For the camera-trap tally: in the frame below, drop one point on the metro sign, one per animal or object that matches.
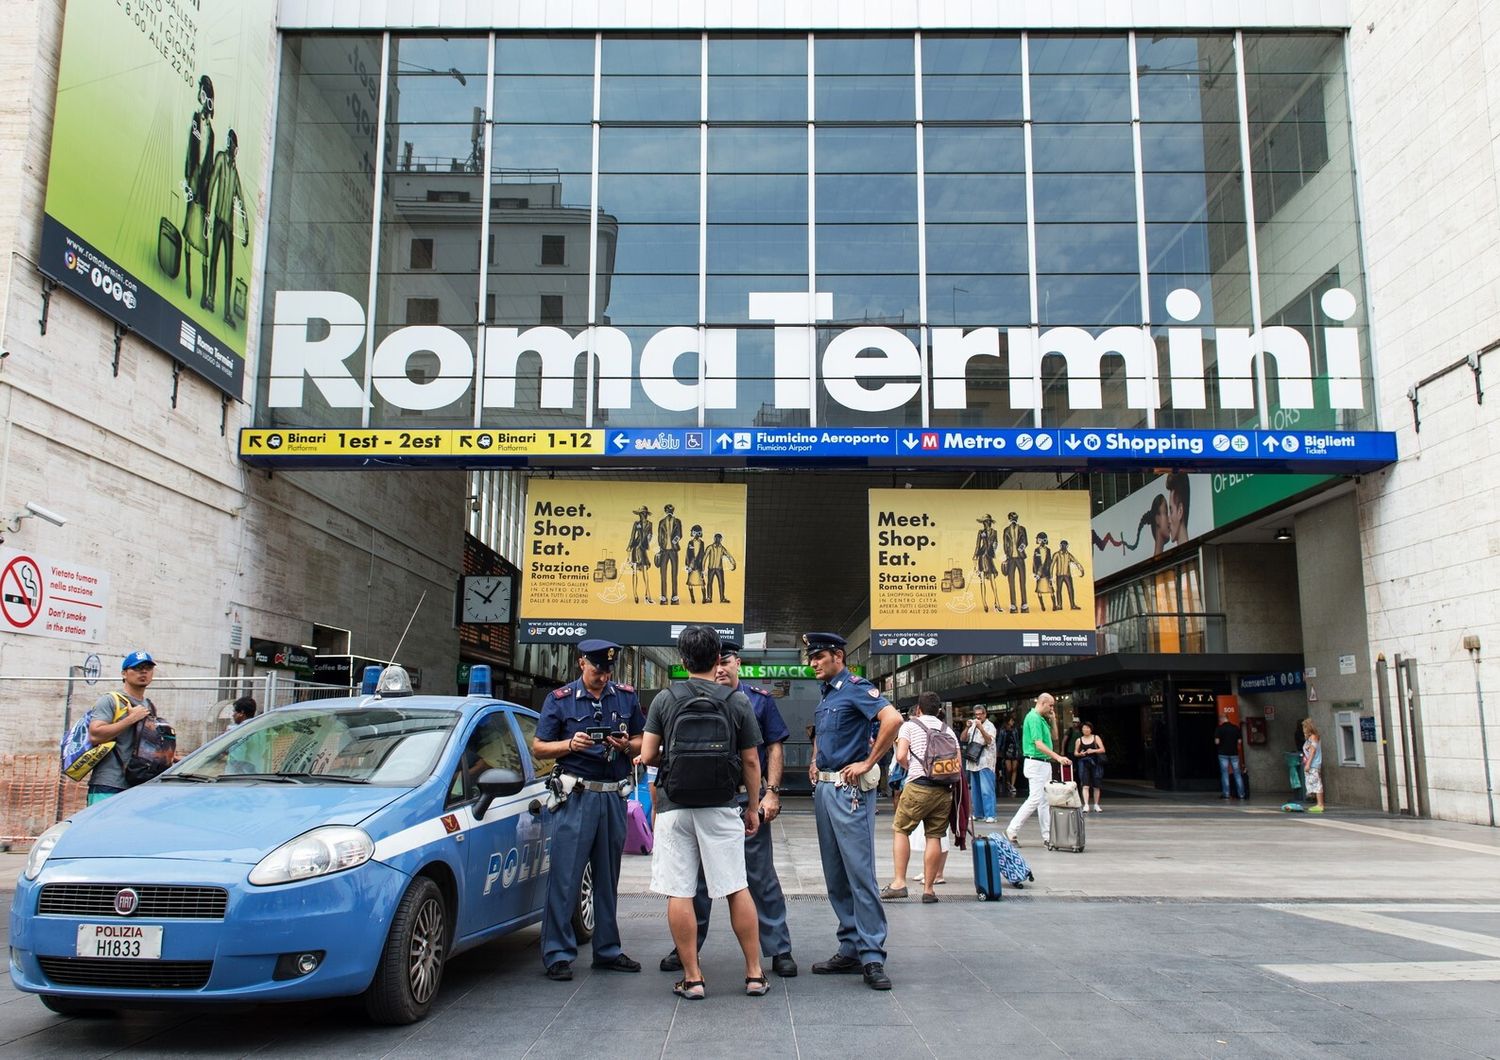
(864, 368)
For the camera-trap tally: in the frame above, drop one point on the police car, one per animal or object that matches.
(337, 848)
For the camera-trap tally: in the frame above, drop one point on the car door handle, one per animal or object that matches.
(535, 807)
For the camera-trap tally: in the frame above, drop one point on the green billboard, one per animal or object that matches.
(153, 185)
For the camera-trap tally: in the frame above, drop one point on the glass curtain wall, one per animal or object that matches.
(681, 230)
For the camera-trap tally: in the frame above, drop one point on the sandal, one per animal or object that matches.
(690, 989)
(757, 986)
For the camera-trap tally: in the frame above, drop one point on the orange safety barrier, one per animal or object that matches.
(30, 785)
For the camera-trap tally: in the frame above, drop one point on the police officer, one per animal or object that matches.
(844, 775)
(760, 858)
(588, 828)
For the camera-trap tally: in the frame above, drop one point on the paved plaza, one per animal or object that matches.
(1189, 928)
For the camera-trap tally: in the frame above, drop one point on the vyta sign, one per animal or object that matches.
(864, 368)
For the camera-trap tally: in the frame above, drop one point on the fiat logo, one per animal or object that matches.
(126, 901)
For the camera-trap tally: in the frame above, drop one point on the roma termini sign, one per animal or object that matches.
(867, 368)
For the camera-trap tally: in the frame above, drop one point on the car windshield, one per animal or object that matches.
(369, 745)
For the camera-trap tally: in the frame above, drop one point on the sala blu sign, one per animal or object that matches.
(864, 368)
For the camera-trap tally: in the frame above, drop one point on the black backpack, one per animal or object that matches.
(701, 765)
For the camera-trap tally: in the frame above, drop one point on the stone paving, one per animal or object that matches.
(1189, 928)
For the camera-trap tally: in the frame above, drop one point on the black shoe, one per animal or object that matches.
(1223, 796)
(875, 977)
(561, 971)
(621, 963)
(783, 965)
(838, 964)
(671, 962)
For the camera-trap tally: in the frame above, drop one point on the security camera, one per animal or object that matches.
(44, 513)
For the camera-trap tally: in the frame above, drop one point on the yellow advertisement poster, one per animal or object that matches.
(980, 571)
(631, 562)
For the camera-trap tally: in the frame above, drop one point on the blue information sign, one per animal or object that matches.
(1067, 448)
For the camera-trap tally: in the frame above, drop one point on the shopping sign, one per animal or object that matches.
(865, 368)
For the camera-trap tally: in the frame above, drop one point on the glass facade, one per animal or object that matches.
(831, 230)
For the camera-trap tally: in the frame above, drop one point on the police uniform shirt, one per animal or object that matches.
(842, 721)
(571, 709)
(768, 716)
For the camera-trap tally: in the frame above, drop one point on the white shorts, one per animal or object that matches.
(711, 836)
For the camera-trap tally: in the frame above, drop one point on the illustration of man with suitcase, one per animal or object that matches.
(196, 171)
(227, 199)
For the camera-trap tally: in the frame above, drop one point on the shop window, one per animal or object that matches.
(421, 254)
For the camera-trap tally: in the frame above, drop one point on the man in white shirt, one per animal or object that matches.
(981, 772)
(924, 800)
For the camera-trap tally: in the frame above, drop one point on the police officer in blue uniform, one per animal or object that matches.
(760, 857)
(844, 775)
(588, 828)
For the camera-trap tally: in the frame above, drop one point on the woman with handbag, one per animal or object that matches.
(979, 764)
(1088, 753)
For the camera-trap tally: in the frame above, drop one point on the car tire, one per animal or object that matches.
(583, 913)
(73, 1006)
(411, 964)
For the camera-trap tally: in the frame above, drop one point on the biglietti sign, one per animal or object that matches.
(865, 369)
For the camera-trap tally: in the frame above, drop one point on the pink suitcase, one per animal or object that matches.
(638, 839)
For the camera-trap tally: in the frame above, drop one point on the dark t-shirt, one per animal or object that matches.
(1227, 737)
(668, 704)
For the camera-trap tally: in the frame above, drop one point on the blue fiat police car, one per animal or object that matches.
(337, 848)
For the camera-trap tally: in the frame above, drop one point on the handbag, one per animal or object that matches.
(1063, 794)
(973, 752)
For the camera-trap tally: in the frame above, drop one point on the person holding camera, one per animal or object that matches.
(592, 727)
(979, 763)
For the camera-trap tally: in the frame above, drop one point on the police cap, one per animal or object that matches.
(822, 642)
(728, 647)
(601, 653)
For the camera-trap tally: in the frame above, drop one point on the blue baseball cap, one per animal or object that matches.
(137, 658)
(601, 653)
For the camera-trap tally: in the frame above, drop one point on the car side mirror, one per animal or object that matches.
(496, 784)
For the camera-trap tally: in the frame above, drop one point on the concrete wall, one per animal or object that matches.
(193, 543)
(1428, 148)
(1334, 628)
(1257, 587)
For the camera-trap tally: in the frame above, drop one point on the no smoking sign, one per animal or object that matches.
(20, 592)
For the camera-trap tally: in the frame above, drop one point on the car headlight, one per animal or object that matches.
(332, 848)
(41, 850)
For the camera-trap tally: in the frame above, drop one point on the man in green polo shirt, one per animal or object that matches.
(1036, 747)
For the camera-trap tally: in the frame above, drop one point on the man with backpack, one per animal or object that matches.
(108, 723)
(703, 737)
(928, 750)
(760, 857)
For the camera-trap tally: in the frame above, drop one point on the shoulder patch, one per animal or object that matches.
(758, 691)
(625, 687)
(874, 693)
(855, 679)
(561, 693)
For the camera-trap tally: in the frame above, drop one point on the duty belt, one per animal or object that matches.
(868, 782)
(619, 787)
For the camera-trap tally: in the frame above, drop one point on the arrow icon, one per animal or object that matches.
(1272, 444)
(621, 441)
(1071, 441)
(911, 441)
(724, 440)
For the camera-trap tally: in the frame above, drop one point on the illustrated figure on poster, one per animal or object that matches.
(1041, 571)
(1179, 494)
(1064, 566)
(195, 173)
(693, 558)
(639, 552)
(714, 558)
(668, 544)
(1013, 544)
(986, 544)
(228, 201)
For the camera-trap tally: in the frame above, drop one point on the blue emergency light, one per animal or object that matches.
(480, 682)
(370, 679)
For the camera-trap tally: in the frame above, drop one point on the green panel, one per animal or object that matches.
(1239, 495)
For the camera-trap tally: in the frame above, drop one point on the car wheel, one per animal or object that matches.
(411, 965)
(73, 1006)
(583, 914)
